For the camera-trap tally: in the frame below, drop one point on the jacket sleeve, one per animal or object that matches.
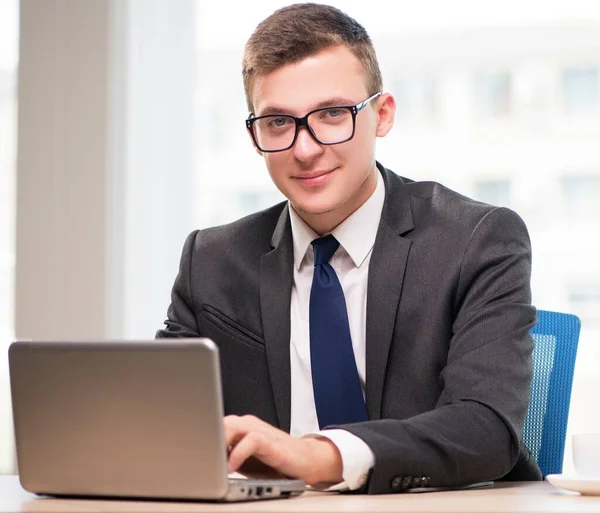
(181, 317)
(473, 434)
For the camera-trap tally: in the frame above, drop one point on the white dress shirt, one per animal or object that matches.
(356, 236)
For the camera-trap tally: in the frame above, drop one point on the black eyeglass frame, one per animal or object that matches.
(303, 122)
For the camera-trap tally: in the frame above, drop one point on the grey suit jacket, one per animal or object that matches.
(448, 350)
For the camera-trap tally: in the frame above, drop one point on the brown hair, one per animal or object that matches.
(297, 31)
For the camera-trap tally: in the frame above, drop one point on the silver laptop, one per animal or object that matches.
(125, 419)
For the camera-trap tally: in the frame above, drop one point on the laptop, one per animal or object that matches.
(128, 419)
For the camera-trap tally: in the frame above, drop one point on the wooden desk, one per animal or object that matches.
(516, 497)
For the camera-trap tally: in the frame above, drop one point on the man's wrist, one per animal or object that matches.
(328, 466)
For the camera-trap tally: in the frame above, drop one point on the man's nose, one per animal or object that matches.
(306, 147)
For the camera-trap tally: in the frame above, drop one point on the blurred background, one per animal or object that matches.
(122, 129)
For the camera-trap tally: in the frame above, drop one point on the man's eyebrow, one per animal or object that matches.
(337, 101)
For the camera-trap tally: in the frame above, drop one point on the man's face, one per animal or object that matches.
(324, 183)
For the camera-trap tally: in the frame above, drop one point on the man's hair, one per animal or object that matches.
(298, 31)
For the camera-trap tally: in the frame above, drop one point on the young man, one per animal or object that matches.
(373, 331)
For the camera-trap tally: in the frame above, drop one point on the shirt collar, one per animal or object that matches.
(356, 234)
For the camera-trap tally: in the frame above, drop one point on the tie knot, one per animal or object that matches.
(324, 248)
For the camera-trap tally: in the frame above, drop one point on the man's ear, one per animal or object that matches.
(386, 112)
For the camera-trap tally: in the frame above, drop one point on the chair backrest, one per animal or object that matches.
(556, 336)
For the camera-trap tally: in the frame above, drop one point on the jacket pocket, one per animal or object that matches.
(232, 328)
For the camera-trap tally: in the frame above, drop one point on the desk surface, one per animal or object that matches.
(515, 497)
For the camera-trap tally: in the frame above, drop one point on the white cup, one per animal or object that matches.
(586, 455)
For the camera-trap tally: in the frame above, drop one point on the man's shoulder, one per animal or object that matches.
(443, 197)
(441, 211)
(433, 199)
(252, 231)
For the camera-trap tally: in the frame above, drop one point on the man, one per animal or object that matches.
(373, 331)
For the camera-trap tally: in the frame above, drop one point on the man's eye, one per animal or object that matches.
(333, 113)
(278, 122)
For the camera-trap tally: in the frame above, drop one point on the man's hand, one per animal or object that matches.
(313, 460)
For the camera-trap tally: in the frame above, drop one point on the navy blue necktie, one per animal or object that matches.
(336, 385)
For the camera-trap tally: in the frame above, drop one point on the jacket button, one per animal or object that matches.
(396, 483)
(406, 482)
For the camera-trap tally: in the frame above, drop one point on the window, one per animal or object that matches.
(584, 298)
(581, 91)
(492, 95)
(494, 192)
(581, 195)
(253, 201)
(416, 98)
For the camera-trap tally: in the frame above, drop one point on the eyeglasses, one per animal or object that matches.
(329, 125)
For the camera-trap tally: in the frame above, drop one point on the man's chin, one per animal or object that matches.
(313, 210)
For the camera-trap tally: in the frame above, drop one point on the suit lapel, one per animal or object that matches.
(386, 276)
(276, 276)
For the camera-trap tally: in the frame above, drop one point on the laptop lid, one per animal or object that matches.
(129, 419)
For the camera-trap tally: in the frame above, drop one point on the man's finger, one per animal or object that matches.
(233, 434)
(248, 446)
(243, 419)
(237, 427)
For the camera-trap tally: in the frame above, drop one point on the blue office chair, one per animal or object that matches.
(556, 336)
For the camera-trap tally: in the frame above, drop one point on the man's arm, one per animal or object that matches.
(474, 432)
(181, 318)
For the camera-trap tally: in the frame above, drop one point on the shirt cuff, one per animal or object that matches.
(357, 458)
